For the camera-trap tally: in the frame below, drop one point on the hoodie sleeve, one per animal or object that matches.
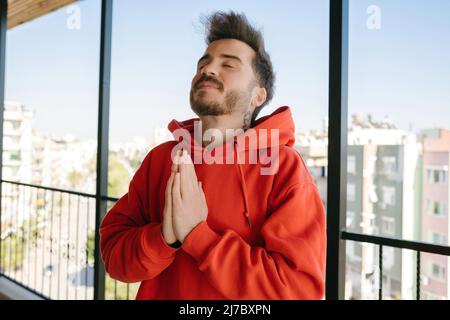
(133, 249)
(291, 265)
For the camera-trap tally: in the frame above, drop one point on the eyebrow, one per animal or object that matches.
(227, 56)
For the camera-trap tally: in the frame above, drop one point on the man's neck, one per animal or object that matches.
(227, 125)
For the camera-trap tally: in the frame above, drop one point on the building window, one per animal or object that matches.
(388, 196)
(437, 208)
(438, 238)
(350, 192)
(388, 225)
(351, 164)
(389, 165)
(437, 271)
(437, 176)
(16, 125)
(14, 155)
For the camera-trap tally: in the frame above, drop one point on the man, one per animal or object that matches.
(203, 221)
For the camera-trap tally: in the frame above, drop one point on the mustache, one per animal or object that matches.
(209, 79)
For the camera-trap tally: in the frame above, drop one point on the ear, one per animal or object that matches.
(259, 96)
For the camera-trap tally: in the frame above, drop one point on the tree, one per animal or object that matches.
(118, 177)
(16, 241)
(75, 178)
(12, 252)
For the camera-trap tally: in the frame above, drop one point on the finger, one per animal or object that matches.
(189, 171)
(169, 184)
(176, 192)
(189, 164)
(175, 162)
(181, 166)
(185, 178)
(191, 168)
(168, 193)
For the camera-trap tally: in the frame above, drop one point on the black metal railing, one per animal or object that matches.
(418, 247)
(48, 241)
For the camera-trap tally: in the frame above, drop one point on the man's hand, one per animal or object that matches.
(189, 206)
(167, 228)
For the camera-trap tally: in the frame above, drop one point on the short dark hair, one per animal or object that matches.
(231, 25)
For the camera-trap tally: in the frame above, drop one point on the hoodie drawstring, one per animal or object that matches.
(244, 187)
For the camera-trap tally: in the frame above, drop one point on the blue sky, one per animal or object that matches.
(403, 69)
(400, 70)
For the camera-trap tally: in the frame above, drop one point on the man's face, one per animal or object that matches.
(225, 80)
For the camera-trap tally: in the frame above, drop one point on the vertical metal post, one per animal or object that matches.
(3, 27)
(380, 272)
(102, 142)
(418, 282)
(337, 149)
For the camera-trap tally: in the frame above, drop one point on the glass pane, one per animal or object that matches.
(156, 47)
(399, 122)
(50, 119)
(50, 122)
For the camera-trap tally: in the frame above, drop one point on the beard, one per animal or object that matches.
(234, 100)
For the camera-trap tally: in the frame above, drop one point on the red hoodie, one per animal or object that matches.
(264, 237)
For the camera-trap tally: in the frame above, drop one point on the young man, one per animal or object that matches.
(222, 219)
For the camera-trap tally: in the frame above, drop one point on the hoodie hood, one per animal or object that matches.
(271, 131)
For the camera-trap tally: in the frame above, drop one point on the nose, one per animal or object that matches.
(209, 69)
